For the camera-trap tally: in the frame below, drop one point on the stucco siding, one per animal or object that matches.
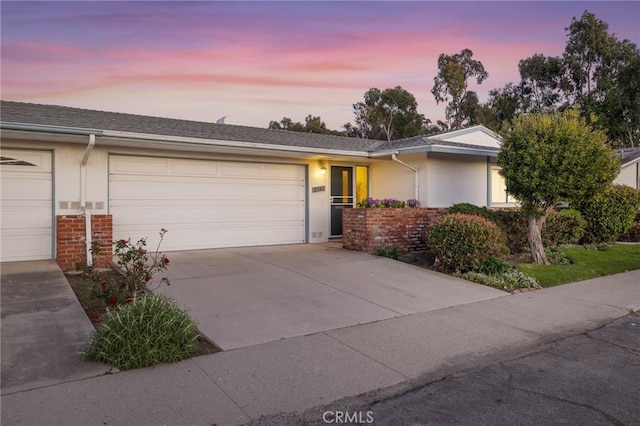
(456, 179)
(630, 176)
(393, 180)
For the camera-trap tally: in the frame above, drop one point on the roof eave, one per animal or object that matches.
(45, 128)
(137, 139)
(624, 164)
(438, 148)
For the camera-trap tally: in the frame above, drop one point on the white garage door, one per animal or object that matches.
(26, 223)
(206, 204)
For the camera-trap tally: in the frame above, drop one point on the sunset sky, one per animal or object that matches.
(259, 61)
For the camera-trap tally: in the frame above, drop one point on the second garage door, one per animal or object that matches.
(206, 204)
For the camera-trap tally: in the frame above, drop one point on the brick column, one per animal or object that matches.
(71, 241)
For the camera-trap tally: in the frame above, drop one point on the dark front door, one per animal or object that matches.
(341, 196)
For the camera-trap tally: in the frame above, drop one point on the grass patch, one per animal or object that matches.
(586, 264)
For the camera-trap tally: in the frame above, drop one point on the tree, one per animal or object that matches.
(603, 76)
(451, 84)
(597, 73)
(548, 158)
(312, 124)
(386, 115)
(588, 49)
(431, 129)
(542, 82)
(619, 110)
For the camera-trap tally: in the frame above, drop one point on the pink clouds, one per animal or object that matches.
(259, 59)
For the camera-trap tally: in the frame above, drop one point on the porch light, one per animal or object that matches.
(323, 167)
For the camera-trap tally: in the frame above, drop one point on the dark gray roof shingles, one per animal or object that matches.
(628, 155)
(54, 115)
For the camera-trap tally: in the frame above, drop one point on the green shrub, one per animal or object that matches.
(513, 222)
(468, 208)
(556, 256)
(150, 330)
(564, 227)
(508, 281)
(595, 246)
(610, 214)
(460, 242)
(391, 253)
(493, 266)
(633, 234)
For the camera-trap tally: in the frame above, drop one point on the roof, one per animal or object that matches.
(24, 116)
(442, 141)
(628, 155)
(54, 115)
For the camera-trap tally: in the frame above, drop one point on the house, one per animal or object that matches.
(629, 168)
(72, 175)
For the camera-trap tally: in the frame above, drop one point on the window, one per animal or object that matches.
(362, 183)
(499, 188)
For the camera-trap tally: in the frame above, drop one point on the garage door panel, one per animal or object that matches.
(222, 216)
(222, 190)
(31, 243)
(138, 165)
(193, 168)
(287, 174)
(26, 214)
(26, 203)
(207, 204)
(182, 237)
(240, 170)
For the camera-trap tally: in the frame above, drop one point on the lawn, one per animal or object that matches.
(586, 264)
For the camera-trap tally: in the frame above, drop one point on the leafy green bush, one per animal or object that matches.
(493, 266)
(468, 208)
(633, 234)
(513, 222)
(391, 253)
(150, 330)
(564, 227)
(508, 281)
(595, 246)
(610, 214)
(556, 257)
(460, 242)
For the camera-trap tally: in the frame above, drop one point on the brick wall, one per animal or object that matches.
(403, 229)
(70, 240)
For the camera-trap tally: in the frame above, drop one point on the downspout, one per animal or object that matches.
(394, 157)
(83, 197)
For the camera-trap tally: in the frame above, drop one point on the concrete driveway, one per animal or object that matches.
(247, 296)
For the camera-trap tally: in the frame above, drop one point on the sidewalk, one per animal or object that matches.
(296, 374)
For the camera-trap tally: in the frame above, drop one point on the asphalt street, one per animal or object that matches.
(589, 379)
